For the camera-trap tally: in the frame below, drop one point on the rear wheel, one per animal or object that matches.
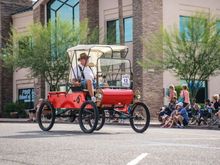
(88, 117)
(140, 117)
(46, 116)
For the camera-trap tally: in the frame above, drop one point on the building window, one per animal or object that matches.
(188, 24)
(113, 31)
(202, 93)
(128, 29)
(183, 22)
(64, 9)
(201, 87)
(26, 96)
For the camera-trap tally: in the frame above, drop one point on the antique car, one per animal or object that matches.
(115, 98)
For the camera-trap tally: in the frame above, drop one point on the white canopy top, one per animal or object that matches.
(96, 51)
(99, 48)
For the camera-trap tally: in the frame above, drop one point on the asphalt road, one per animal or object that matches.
(23, 143)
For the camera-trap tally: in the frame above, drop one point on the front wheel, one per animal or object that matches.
(139, 117)
(101, 120)
(88, 117)
(46, 116)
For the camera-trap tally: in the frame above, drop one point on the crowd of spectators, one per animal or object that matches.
(180, 112)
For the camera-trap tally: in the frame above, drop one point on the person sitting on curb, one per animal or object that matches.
(205, 113)
(181, 117)
(169, 123)
(216, 107)
(33, 112)
(165, 112)
(215, 104)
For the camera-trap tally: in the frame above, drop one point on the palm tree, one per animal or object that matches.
(121, 24)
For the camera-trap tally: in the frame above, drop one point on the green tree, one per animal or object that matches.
(43, 49)
(193, 54)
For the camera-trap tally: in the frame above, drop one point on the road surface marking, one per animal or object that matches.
(138, 159)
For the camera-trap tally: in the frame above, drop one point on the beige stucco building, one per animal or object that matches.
(142, 18)
(172, 10)
(21, 77)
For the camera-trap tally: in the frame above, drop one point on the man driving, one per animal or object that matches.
(84, 76)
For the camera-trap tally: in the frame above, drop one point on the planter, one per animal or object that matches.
(14, 114)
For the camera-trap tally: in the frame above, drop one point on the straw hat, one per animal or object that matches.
(83, 56)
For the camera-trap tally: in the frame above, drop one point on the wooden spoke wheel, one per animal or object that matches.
(88, 117)
(139, 117)
(46, 116)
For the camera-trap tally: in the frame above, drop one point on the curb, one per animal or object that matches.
(152, 124)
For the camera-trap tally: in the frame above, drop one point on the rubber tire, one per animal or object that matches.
(99, 126)
(45, 102)
(147, 121)
(96, 117)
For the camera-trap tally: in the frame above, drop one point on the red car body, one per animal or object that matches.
(119, 98)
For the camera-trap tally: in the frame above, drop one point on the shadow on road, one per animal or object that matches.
(56, 133)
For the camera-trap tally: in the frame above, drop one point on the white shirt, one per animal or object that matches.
(88, 73)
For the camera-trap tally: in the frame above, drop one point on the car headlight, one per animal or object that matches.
(99, 95)
(137, 95)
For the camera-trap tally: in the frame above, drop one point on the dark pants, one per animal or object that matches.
(185, 105)
(185, 123)
(167, 111)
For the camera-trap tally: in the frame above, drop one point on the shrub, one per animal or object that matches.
(14, 107)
